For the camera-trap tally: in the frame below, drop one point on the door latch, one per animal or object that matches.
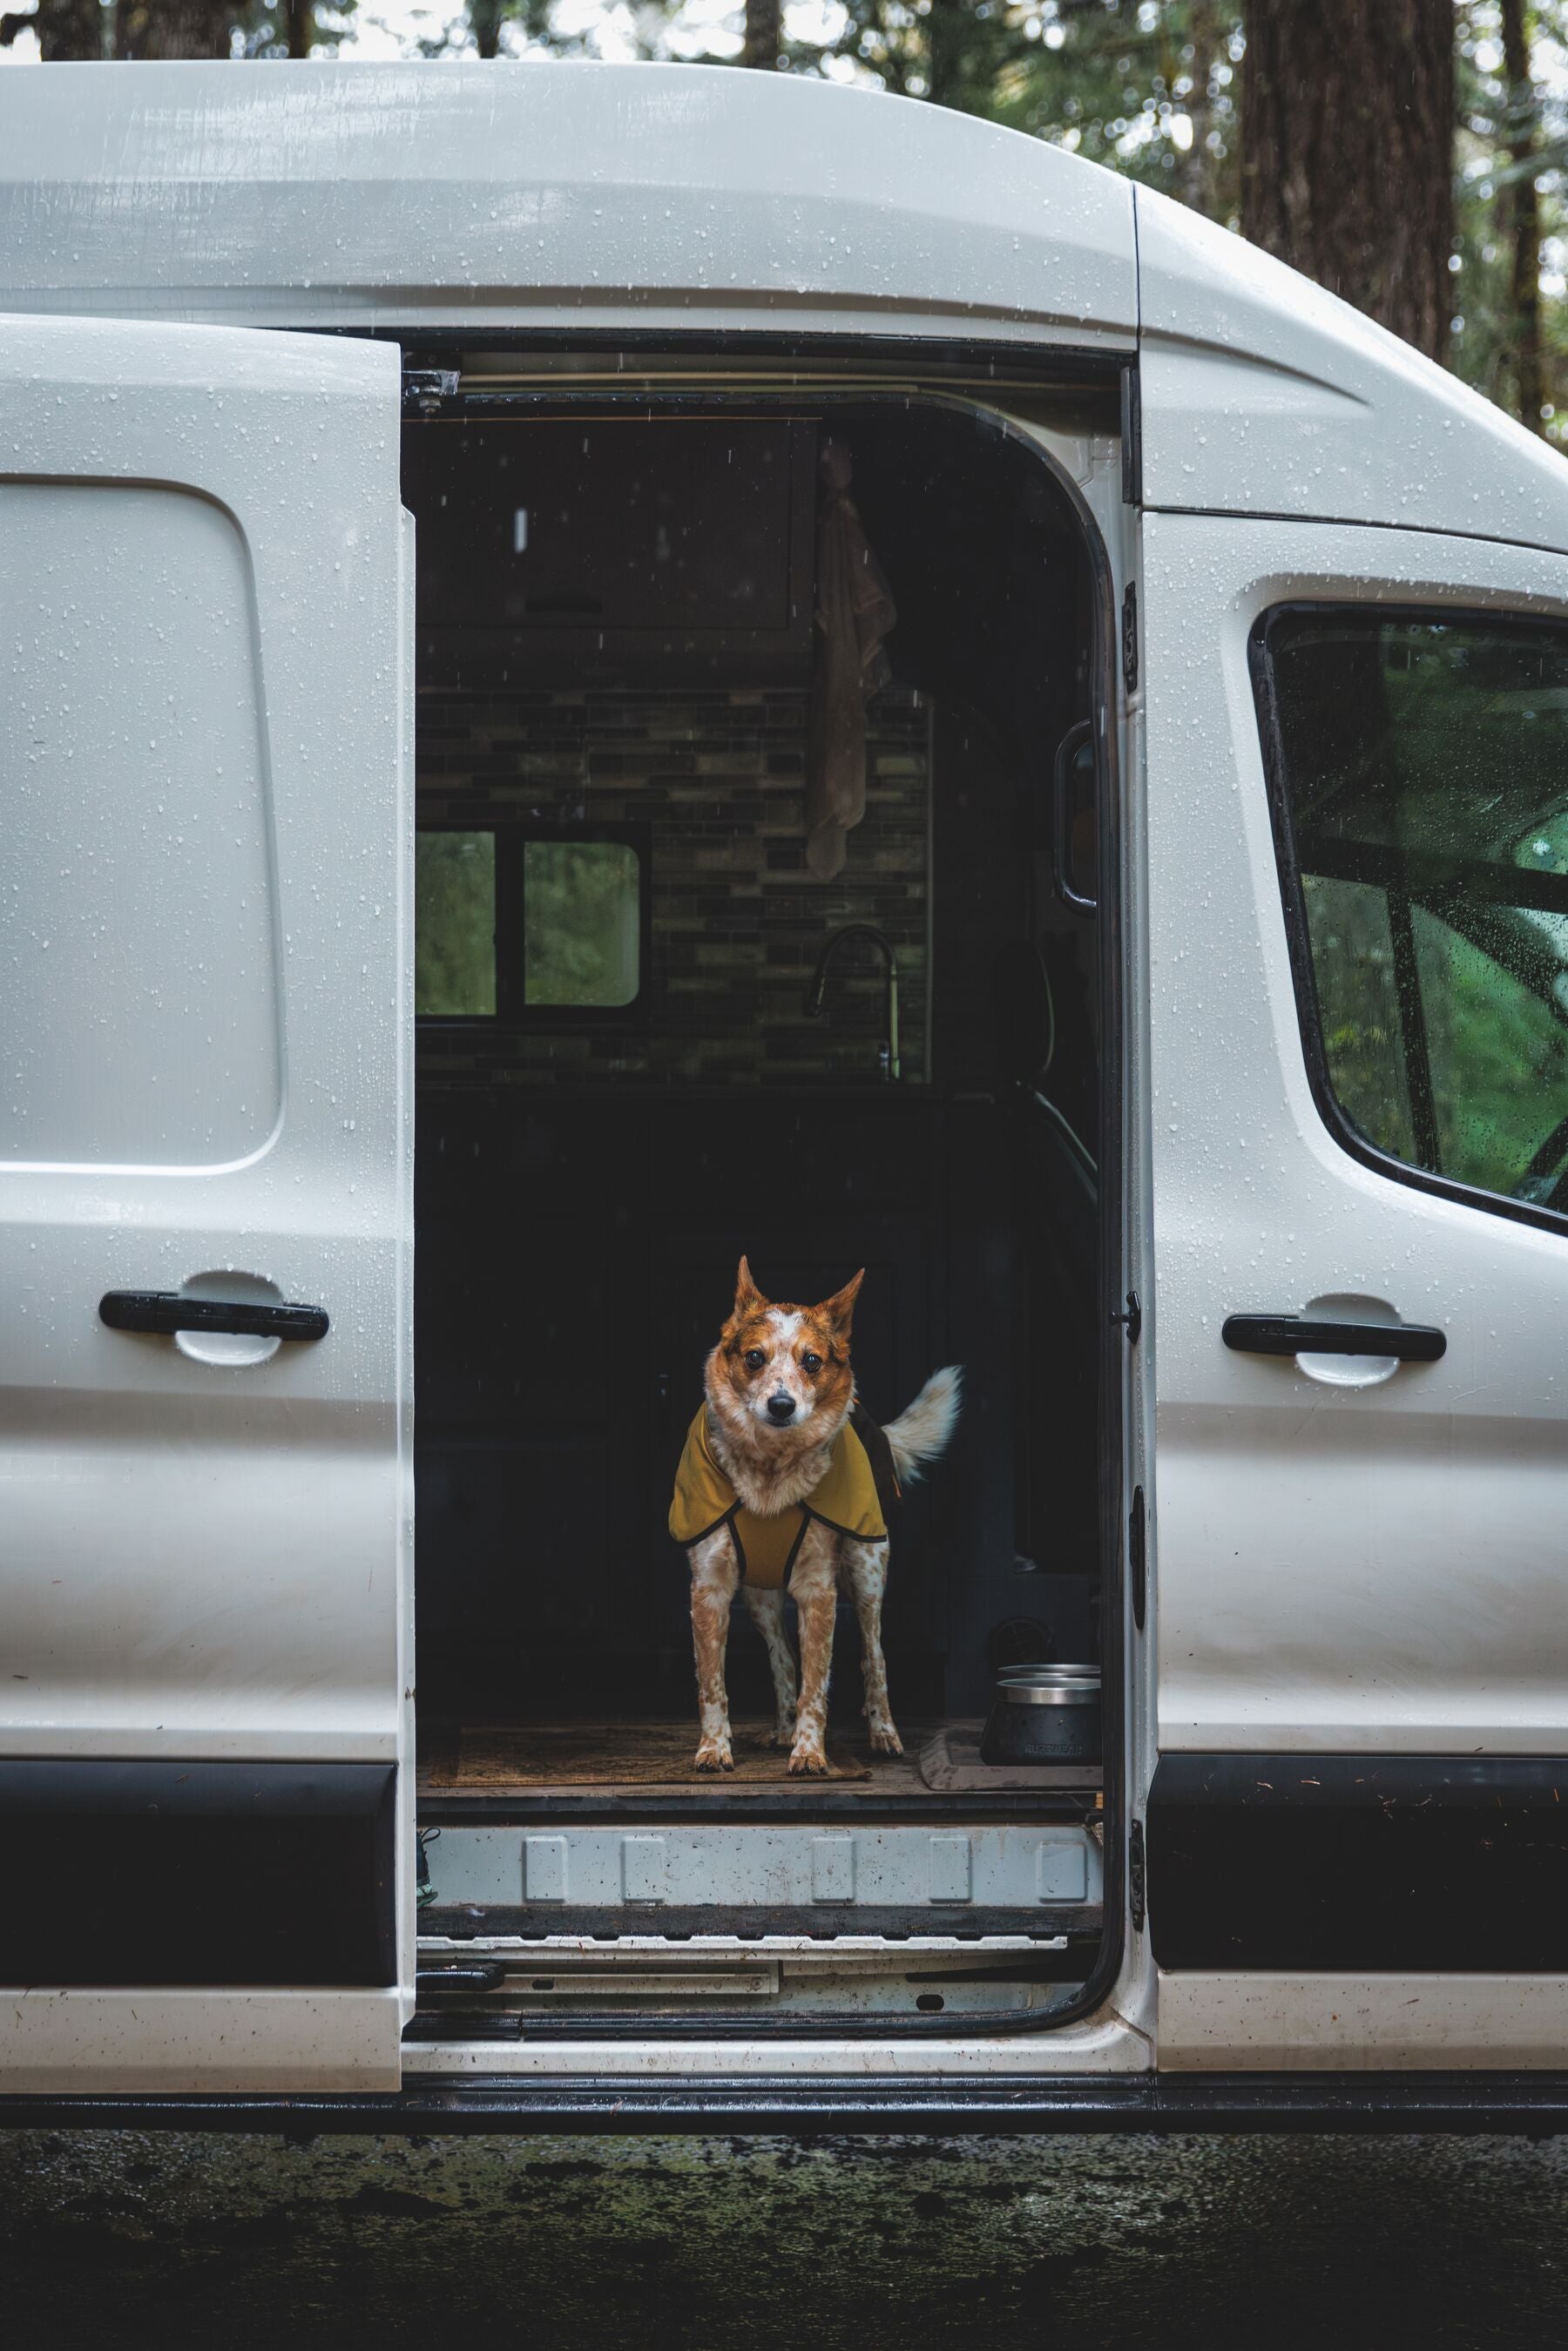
(1132, 1322)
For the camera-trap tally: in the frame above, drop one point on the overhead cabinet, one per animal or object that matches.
(638, 550)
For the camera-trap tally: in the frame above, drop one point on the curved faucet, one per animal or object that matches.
(817, 992)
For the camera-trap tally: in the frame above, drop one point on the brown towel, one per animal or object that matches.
(854, 613)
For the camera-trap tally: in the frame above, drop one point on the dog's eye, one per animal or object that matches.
(811, 1362)
(754, 1359)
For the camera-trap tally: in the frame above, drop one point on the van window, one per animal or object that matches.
(515, 925)
(1420, 772)
(138, 1024)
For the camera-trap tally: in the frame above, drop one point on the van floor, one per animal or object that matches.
(607, 1760)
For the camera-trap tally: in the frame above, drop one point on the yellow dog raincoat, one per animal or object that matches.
(765, 1548)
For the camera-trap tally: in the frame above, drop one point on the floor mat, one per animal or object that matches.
(614, 1754)
(950, 1763)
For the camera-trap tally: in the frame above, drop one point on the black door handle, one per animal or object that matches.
(1294, 1334)
(164, 1310)
(1068, 752)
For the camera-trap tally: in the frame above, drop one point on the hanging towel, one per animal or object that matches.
(855, 611)
(765, 1548)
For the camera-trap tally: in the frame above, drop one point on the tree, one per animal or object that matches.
(1347, 146)
(762, 39)
(1524, 210)
(173, 28)
(65, 28)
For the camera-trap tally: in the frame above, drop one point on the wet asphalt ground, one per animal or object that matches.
(1161, 2243)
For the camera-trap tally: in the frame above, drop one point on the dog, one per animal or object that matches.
(775, 1492)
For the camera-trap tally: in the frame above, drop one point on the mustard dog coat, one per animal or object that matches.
(844, 1499)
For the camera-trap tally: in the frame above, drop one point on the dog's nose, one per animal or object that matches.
(780, 1407)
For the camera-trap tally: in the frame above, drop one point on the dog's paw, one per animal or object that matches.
(781, 1735)
(885, 1739)
(808, 1759)
(714, 1755)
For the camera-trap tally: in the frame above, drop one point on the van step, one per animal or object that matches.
(816, 1923)
(459, 1975)
(465, 2024)
(769, 1877)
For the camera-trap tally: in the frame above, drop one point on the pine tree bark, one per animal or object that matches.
(1524, 209)
(1347, 143)
(485, 18)
(174, 28)
(764, 35)
(300, 27)
(65, 28)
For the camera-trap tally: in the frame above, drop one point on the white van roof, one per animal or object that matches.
(699, 199)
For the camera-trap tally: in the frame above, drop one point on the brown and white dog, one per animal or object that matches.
(780, 1390)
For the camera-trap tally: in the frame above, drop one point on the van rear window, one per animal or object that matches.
(1420, 771)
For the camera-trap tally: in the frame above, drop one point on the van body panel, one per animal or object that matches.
(1264, 395)
(1374, 1568)
(208, 1534)
(584, 196)
(217, 2043)
(1322, 2023)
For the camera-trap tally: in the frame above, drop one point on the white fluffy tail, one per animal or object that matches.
(922, 1429)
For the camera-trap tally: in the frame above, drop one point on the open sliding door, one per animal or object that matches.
(206, 1693)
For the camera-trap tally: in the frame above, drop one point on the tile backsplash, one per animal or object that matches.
(716, 780)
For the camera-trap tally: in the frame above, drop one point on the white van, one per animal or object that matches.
(413, 493)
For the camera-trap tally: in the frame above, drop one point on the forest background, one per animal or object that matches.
(1411, 155)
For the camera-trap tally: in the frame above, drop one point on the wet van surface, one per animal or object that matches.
(472, 888)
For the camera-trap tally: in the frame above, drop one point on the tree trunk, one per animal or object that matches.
(764, 35)
(174, 28)
(1198, 173)
(484, 21)
(1524, 209)
(65, 28)
(300, 27)
(1347, 131)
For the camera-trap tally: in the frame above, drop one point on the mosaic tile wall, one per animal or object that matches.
(717, 779)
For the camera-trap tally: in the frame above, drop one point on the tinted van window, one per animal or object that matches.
(1420, 766)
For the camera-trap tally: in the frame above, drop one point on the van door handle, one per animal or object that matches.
(1067, 751)
(165, 1311)
(1294, 1334)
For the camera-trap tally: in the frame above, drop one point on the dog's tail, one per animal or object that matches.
(922, 1429)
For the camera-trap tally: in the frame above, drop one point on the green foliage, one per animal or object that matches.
(454, 925)
(580, 923)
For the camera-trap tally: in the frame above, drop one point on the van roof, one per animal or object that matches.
(702, 200)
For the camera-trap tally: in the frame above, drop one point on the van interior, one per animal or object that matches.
(675, 1005)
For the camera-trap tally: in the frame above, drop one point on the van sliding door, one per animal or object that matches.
(1357, 777)
(204, 1211)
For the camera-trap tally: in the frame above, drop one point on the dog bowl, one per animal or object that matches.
(1044, 1714)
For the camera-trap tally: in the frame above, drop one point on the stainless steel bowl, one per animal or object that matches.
(1044, 1714)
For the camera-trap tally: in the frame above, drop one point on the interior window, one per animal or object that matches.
(581, 922)
(508, 923)
(1421, 767)
(454, 925)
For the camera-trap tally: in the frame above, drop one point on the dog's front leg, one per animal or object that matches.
(767, 1612)
(813, 1587)
(715, 1575)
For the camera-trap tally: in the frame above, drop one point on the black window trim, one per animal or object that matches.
(1309, 1008)
(514, 830)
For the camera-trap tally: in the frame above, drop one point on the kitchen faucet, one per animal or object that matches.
(888, 1050)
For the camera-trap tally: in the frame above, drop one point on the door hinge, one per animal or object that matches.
(1135, 1876)
(1130, 637)
(1132, 1322)
(1137, 1554)
(424, 389)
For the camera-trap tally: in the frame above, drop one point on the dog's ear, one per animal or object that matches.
(838, 1312)
(749, 1299)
